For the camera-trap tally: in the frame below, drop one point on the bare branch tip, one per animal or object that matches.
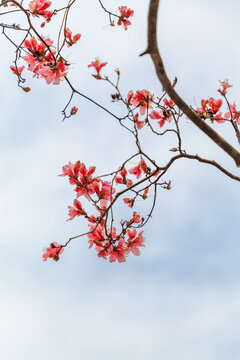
(147, 51)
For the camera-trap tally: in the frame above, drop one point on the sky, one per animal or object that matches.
(180, 298)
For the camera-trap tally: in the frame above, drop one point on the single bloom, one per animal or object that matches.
(74, 110)
(53, 251)
(98, 65)
(118, 252)
(143, 100)
(75, 210)
(17, 70)
(125, 13)
(38, 7)
(71, 40)
(225, 85)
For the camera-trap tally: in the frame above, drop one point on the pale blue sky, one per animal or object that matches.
(179, 299)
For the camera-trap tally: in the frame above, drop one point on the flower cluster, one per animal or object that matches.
(42, 62)
(101, 194)
(144, 101)
(113, 246)
(210, 108)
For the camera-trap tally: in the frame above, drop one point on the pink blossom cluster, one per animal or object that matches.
(144, 101)
(108, 244)
(210, 107)
(41, 60)
(113, 246)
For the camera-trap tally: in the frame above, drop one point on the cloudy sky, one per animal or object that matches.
(181, 297)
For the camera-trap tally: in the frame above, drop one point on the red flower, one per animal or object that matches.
(74, 110)
(98, 65)
(225, 85)
(155, 115)
(17, 70)
(233, 113)
(215, 104)
(143, 99)
(139, 124)
(168, 103)
(137, 170)
(118, 252)
(53, 251)
(77, 210)
(70, 40)
(134, 242)
(38, 7)
(122, 178)
(125, 13)
(136, 218)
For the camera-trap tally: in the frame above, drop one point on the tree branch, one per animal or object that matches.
(153, 51)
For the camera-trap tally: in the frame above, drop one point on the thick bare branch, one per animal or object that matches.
(153, 51)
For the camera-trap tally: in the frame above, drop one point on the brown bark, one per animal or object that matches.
(153, 51)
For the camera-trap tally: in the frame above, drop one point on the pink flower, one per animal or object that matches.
(53, 251)
(77, 210)
(136, 218)
(130, 96)
(215, 104)
(96, 235)
(134, 242)
(233, 113)
(122, 178)
(125, 13)
(102, 251)
(143, 99)
(38, 7)
(17, 70)
(32, 62)
(86, 185)
(54, 74)
(42, 63)
(70, 40)
(218, 118)
(168, 103)
(139, 124)
(74, 110)
(155, 115)
(34, 47)
(137, 170)
(106, 193)
(225, 85)
(71, 169)
(118, 252)
(98, 65)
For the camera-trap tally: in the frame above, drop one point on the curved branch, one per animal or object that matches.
(153, 51)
